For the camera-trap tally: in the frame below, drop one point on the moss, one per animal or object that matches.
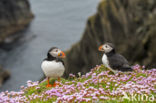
(92, 21)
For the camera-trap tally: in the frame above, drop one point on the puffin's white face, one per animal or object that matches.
(105, 48)
(57, 53)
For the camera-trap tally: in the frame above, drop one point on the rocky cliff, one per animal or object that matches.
(129, 24)
(14, 16)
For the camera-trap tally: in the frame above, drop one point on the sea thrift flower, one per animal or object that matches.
(97, 85)
(72, 75)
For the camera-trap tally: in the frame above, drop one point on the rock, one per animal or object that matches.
(129, 24)
(4, 75)
(14, 16)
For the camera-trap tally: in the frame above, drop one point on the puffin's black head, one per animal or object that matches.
(107, 48)
(56, 53)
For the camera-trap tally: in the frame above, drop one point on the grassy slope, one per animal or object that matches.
(104, 81)
(99, 85)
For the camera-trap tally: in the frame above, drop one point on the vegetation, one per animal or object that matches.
(98, 85)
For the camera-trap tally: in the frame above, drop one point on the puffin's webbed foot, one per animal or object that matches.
(48, 85)
(55, 84)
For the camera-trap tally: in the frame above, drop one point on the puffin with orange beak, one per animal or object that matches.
(53, 66)
(112, 60)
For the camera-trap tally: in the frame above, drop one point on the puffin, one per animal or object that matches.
(112, 60)
(53, 65)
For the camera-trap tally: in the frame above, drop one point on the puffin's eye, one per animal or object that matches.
(106, 46)
(56, 50)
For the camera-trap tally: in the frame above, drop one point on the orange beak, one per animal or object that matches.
(62, 54)
(101, 48)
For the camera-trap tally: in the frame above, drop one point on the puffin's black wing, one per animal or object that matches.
(118, 62)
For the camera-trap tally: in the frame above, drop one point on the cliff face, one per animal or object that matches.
(129, 24)
(14, 16)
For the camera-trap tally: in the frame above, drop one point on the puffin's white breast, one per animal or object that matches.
(105, 61)
(52, 68)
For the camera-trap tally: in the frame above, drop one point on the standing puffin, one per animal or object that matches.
(53, 66)
(113, 61)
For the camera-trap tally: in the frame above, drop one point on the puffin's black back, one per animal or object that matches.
(118, 62)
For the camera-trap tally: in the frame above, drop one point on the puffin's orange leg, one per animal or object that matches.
(58, 79)
(55, 84)
(48, 85)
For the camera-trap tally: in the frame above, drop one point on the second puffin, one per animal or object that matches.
(112, 60)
